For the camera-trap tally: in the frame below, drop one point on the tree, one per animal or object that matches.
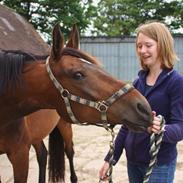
(43, 14)
(121, 17)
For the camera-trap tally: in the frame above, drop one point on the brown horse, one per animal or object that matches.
(34, 130)
(73, 83)
(37, 120)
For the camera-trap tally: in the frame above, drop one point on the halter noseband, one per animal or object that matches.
(101, 106)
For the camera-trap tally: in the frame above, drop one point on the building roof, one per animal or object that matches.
(17, 34)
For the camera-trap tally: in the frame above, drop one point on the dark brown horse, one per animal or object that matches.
(73, 83)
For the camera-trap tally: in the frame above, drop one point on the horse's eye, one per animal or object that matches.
(78, 76)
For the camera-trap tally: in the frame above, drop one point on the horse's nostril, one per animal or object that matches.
(141, 108)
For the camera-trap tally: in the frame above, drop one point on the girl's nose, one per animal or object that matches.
(143, 49)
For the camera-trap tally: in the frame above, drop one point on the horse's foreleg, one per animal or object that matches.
(20, 163)
(66, 131)
(41, 153)
(70, 155)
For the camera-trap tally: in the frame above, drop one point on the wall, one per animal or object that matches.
(118, 55)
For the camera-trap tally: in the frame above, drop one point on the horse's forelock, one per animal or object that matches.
(80, 54)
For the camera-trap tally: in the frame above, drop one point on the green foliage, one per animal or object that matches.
(121, 17)
(43, 14)
(110, 17)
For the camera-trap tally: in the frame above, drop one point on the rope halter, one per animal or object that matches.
(155, 143)
(111, 161)
(101, 106)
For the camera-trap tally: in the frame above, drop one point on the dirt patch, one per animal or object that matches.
(91, 145)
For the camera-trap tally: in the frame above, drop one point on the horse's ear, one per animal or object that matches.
(58, 42)
(74, 38)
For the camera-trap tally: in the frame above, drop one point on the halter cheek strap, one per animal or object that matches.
(101, 106)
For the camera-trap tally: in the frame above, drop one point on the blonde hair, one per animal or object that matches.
(160, 33)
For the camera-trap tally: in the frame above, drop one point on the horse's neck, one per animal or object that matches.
(32, 96)
(14, 108)
(39, 88)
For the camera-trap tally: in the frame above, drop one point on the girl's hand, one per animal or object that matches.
(103, 172)
(156, 125)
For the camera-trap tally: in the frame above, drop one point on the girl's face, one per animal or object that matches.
(147, 49)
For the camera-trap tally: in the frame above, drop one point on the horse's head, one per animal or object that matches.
(88, 93)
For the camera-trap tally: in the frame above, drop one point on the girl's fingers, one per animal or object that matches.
(154, 113)
(103, 171)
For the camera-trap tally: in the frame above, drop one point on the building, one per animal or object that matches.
(118, 54)
(17, 34)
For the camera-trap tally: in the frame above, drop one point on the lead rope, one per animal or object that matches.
(111, 151)
(155, 143)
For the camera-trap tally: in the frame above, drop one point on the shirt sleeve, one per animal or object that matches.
(174, 127)
(118, 146)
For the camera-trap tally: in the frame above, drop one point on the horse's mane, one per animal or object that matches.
(13, 61)
(11, 65)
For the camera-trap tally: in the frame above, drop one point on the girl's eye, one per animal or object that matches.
(139, 46)
(78, 76)
(148, 45)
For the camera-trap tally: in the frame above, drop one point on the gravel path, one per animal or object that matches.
(91, 145)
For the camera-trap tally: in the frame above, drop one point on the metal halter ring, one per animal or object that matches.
(65, 93)
(102, 106)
